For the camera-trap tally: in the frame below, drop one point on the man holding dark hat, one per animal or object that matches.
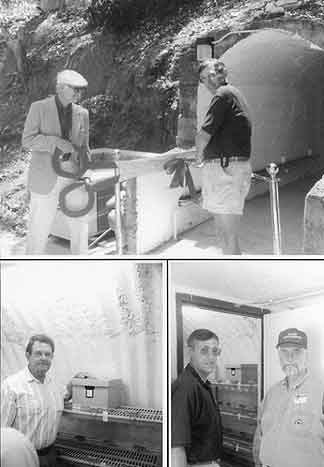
(290, 430)
(55, 122)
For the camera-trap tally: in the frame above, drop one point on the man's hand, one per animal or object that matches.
(64, 145)
(84, 374)
(199, 162)
(68, 389)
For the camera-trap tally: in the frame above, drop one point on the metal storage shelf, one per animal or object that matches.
(102, 456)
(237, 445)
(238, 415)
(123, 414)
(238, 386)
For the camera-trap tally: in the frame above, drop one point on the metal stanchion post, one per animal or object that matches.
(118, 232)
(273, 181)
(273, 170)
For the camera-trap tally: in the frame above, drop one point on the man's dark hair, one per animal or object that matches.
(218, 66)
(201, 335)
(39, 338)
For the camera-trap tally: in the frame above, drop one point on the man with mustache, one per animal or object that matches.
(31, 401)
(196, 436)
(290, 430)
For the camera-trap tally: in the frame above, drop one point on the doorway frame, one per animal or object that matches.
(222, 306)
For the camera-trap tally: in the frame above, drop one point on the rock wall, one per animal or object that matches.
(149, 76)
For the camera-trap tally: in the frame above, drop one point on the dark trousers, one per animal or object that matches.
(47, 459)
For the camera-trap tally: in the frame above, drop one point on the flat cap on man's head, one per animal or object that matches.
(292, 336)
(71, 78)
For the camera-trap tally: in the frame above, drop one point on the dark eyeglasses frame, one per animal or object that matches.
(75, 88)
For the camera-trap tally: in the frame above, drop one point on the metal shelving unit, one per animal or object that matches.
(76, 453)
(124, 414)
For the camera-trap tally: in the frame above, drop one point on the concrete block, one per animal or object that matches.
(289, 4)
(314, 220)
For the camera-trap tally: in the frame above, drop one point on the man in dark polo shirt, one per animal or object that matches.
(224, 147)
(196, 434)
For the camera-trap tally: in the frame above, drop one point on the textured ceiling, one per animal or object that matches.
(276, 57)
(272, 283)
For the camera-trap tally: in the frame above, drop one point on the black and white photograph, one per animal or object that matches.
(183, 128)
(247, 363)
(162, 233)
(82, 363)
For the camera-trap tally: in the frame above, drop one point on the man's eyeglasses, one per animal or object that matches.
(215, 351)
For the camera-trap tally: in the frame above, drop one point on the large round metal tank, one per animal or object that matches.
(282, 78)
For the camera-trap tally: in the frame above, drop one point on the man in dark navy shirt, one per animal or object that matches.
(196, 434)
(224, 147)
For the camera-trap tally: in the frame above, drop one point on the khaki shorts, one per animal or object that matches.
(224, 189)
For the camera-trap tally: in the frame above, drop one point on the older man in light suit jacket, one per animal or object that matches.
(55, 122)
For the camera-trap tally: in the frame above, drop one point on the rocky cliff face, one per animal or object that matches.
(134, 79)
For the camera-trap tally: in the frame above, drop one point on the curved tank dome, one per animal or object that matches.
(282, 78)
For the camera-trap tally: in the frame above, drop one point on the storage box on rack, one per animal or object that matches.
(239, 399)
(243, 374)
(93, 393)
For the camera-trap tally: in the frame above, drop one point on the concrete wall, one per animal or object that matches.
(156, 205)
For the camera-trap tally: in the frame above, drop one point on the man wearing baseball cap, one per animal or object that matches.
(290, 431)
(55, 122)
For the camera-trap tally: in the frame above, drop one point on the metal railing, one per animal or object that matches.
(273, 181)
(118, 217)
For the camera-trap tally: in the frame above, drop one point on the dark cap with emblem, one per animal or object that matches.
(292, 336)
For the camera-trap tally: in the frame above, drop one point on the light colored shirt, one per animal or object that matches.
(291, 431)
(32, 407)
(17, 450)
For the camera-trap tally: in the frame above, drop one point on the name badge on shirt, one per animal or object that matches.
(301, 399)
